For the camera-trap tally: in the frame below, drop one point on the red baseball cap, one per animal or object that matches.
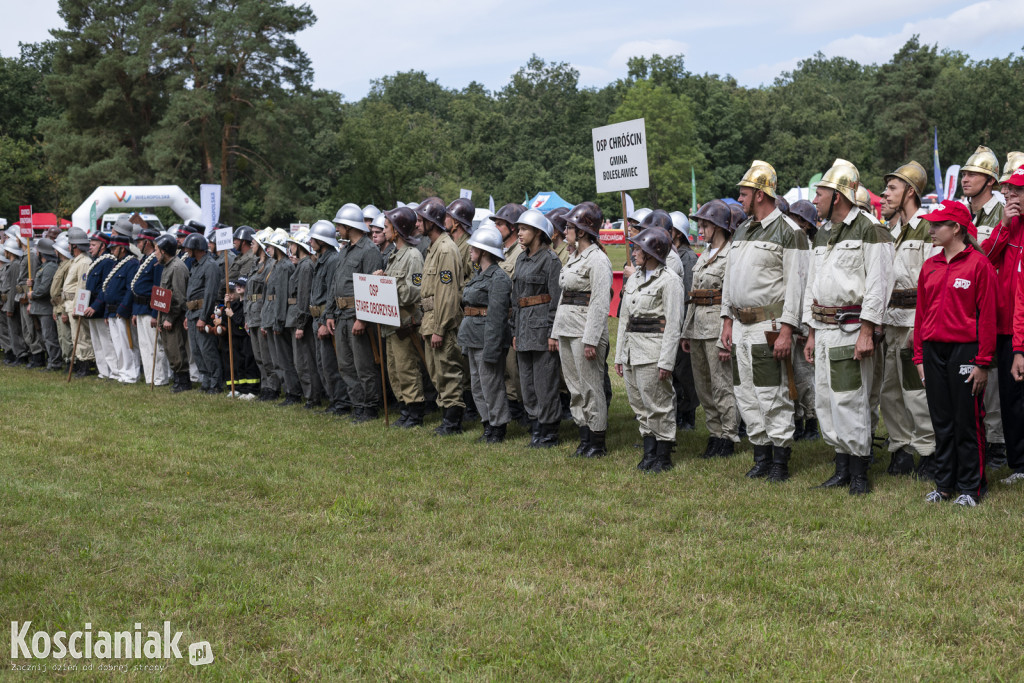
(956, 212)
(1016, 178)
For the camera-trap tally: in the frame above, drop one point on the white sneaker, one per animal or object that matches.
(934, 497)
(1013, 478)
(247, 397)
(966, 501)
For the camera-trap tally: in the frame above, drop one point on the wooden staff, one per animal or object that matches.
(231, 347)
(156, 345)
(74, 349)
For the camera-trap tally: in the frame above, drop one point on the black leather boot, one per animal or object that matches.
(662, 457)
(650, 454)
(497, 433)
(842, 473)
(415, 415)
(925, 468)
(487, 432)
(35, 361)
(451, 423)
(902, 462)
(547, 436)
(597, 447)
(290, 400)
(365, 415)
(403, 415)
(859, 484)
(798, 429)
(584, 444)
(726, 448)
(471, 414)
(779, 471)
(762, 462)
(712, 448)
(182, 382)
(810, 432)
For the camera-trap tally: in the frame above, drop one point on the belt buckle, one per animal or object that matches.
(843, 316)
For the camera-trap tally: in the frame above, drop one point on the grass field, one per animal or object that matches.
(305, 548)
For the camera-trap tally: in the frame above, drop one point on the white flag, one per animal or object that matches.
(490, 205)
(209, 202)
(629, 207)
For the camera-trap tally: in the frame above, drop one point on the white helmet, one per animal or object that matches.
(13, 245)
(639, 215)
(535, 219)
(325, 232)
(413, 205)
(681, 223)
(61, 245)
(487, 238)
(379, 220)
(370, 212)
(279, 239)
(352, 216)
(301, 239)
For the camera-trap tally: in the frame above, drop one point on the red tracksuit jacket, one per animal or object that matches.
(1018, 312)
(1004, 251)
(956, 302)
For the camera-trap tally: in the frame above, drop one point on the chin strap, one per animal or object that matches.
(832, 205)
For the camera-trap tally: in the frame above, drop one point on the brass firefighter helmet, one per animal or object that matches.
(760, 176)
(913, 174)
(1014, 160)
(864, 199)
(983, 161)
(844, 178)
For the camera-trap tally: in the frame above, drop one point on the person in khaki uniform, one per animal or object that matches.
(762, 294)
(978, 180)
(173, 334)
(404, 344)
(33, 339)
(650, 327)
(702, 331)
(581, 326)
(849, 282)
(73, 282)
(63, 250)
(458, 221)
(904, 404)
(442, 313)
(505, 220)
(242, 265)
(484, 334)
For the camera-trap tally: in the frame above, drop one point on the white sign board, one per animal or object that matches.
(82, 302)
(376, 299)
(952, 182)
(295, 227)
(209, 200)
(620, 156)
(465, 194)
(224, 241)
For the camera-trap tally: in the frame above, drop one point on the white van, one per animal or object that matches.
(107, 223)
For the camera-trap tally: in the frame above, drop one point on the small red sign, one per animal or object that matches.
(160, 300)
(25, 218)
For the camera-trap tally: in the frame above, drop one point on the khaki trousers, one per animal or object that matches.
(904, 404)
(713, 381)
(445, 368)
(761, 387)
(843, 388)
(585, 381)
(404, 369)
(64, 336)
(653, 400)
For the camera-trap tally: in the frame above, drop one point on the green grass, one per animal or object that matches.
(304, 547)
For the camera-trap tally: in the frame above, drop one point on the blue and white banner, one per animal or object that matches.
(209, 201)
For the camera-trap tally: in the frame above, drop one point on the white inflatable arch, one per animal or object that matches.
(118, 196)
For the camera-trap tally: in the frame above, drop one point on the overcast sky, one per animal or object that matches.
(456, 42)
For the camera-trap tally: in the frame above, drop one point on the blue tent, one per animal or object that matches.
(548, 201)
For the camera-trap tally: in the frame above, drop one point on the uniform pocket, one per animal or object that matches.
(767, 371)
(735, 368)
(844, 369)
(765, 254)
(848, 254)
(911, 380)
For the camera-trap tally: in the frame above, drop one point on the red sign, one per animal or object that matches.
(613, 237)
(160, 300)
(25, 215)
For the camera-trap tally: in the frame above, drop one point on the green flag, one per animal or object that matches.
(693, 190)
(812, 184)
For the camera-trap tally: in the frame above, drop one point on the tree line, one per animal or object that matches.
(140, 92)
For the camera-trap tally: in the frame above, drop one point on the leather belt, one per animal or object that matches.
(344, 302)
(141, 299)
(536, 300)
(292, 302)
(255, 297)
(427, 304)
(271, 297)
(757, 314)
(474, 311)
(316, 311)
(575, 298)
(407, 331)
(903, 298)
(835, 315)
(194, 305)
(645, 325)
(58, 300)
(705, 297)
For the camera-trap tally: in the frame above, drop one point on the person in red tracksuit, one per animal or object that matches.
(954, 341)
(1017, 371)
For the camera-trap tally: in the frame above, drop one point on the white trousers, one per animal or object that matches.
(842, 391)
(147, 339)
(126, 360)
(103, 348)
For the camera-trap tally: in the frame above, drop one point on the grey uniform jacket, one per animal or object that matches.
(41, 303)
(535, 275)
(298, 291)
(175, 277)
(275, 303)
(255, 289)
(239, 266)
(361, 257)
(323, 284)
(489, 289)
(206, 283)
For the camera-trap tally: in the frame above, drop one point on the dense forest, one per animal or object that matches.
(210, 91)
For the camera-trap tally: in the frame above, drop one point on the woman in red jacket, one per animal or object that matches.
(954, 340)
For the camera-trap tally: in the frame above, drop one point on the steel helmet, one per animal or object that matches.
(913, 174)
(259, 238)
(412, 205)
(123, 227)
(586, 217)
(1014, 160)
(639, 215)
(536, 220)
(782, 204)
(509, 213)
(167, 244)
(148, 233)
(379, 221)
(462, 210)
(196, 242)
(557, 218)
(244, 233)
(194, 227)
(717, 213)
(488, 238)
(279, 240)
(324, 232)
(352, 216)
(61, 246)
(657, 219)
(45, 247)
(738, 216)
(760, 176)
(13, 245)
(844, 178)
(806, 210)
(432, 210)
(78, 237)
(863, 199)
(653, 241)
(3, 258)
(983, 161)
(403, 220)
(301, 239)
(680, 222)
(370, 212)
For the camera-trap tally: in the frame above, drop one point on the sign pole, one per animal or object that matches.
(74, 350)
(625, 230)
(156, 345)
(383, 385)
(231, 346)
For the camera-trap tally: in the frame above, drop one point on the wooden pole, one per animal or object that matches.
(625, 231)
(384, 389)
(74, 349)
(156, 345)
(231, 347)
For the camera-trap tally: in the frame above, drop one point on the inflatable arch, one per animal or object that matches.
(118, 196)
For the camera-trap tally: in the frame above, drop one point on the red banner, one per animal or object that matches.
(160, 300)
(25, 216)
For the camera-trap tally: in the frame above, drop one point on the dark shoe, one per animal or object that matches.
(925, 468)
(584, 444)
(842, 473)
(597, 447)
(268, 395)
(290, 400)
(534, 428)
(214, 389)
(36, 360)
(81, 368)
(662, 457)
(726, 448)
(312, 404)
(859, 484)
(810, 432)
(686, 420)
(364, 415)
(182, 382)
(415, 418)
(995, 456)
(451, 423)
(650, 453)
(403, 415)
(779, 470)
(742, 431)
(902, 462)
(762, 462)
(798, 429)
(8, 358)
(547, 436)
(487, 433)
(712, 448)
(497, 434)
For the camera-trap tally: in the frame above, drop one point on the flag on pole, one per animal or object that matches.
(629, 206)
(938, 172)
(693, 190)
(490, 204)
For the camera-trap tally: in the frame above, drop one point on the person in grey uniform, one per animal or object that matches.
(687, 398)
(41, 307)
(323, 238)
(535, 294)
(12, 304)
(256, 297)
(275, 310)
(205, 290)
(299, 323)
(484, 334)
